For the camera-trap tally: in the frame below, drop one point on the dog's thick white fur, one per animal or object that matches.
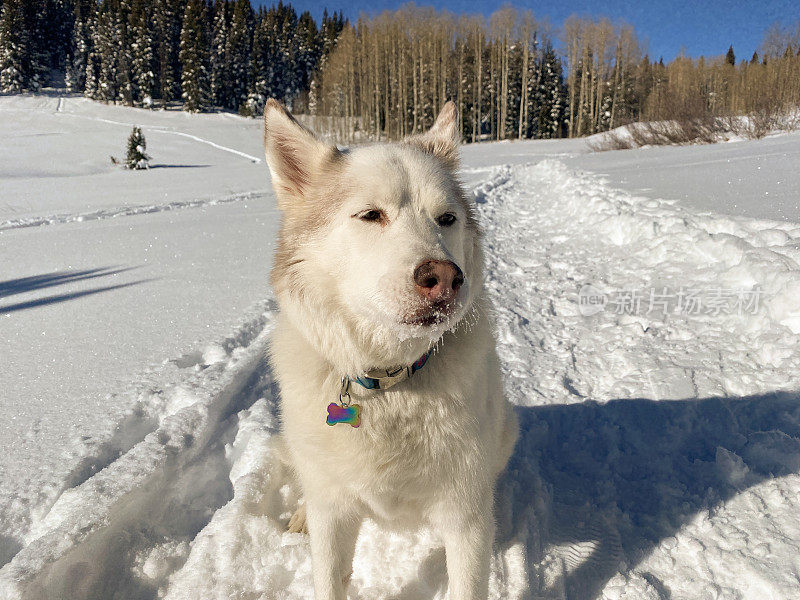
(355, 227)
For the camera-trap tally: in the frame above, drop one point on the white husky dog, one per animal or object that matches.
(391, 399)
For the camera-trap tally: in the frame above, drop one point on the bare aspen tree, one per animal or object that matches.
(572, 40)
(527, 29)
(390, 74)
(478, 99)
(502, 26)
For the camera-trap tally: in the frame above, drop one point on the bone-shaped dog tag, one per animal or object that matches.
(351, 415)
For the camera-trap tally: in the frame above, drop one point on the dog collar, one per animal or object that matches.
(382, 379)
(344, 412)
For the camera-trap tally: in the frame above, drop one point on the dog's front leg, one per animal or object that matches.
(333, 530)
(468, 536)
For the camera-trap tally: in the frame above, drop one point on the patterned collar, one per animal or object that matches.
(381, 379)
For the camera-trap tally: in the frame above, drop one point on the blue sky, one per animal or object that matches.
(704, 27)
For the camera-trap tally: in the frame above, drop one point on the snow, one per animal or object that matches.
(114, 279)
(53, 170)
(755, 179)
(660, 447)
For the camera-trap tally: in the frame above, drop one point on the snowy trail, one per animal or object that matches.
(57, 162)
(659, 456)
(651, 441)
(154, 484)
(123, 211)
(61, 102)
(164, 130)
(168, 131)
(249, 157)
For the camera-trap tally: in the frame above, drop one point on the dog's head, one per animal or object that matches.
(379, 253)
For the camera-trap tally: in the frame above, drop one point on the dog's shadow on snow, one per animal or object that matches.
(590, 485)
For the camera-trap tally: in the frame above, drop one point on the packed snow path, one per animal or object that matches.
(660, 444)
(662, 448)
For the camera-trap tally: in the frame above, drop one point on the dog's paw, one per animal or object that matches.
(297, 524)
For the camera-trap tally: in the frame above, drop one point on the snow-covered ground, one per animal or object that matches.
(756, 179)
(652, 348)
(103, 276)
(56, 159)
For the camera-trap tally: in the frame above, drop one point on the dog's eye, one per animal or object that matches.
(446, 219)
(373, 215)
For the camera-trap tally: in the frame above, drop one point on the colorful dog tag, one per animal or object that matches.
(351, 415)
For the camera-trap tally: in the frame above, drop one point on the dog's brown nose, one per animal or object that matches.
(438, 280)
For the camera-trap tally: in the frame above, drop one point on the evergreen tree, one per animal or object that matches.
(133, 51)
(261, 67)
(136, 157)
(514, 91)
(288, 52)
(329, 31)
(81, 45)
(285, 55)
(126, 87)
(49, 26)
(167, 28)
(24, 62)
(237, 53)
(730, 57)
(143, 56)
(308, 50)
(275, 76)
(91, 80)
(58, 27)
(14, 47)
(551, 115)
(533, 90)
(105, 40)
(604, 117)
(38, 61)
(193, 57)
(218, 72)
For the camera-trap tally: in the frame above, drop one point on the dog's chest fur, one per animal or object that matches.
(410, 449)
(418, 440)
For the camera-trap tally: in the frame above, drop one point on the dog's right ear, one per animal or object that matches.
(442, 139)
(294, 155)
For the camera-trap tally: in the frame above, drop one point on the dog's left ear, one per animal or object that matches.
(295, 155)
(443, 139)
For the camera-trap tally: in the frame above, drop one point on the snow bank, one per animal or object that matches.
(756, 179)
(661, 445)
(109, 536)
(700, 130)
